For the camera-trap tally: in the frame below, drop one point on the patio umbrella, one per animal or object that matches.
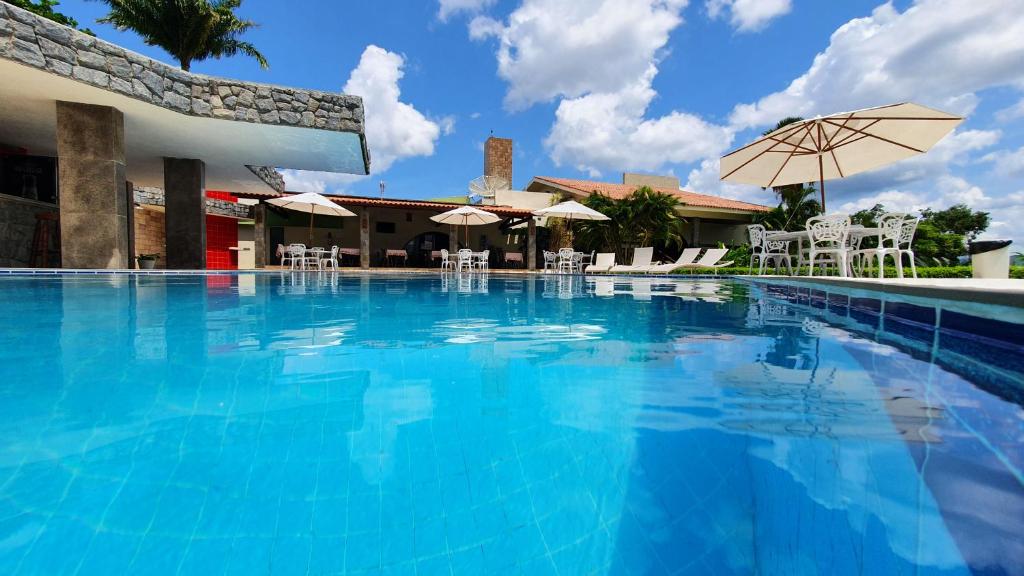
(466, 216)
(570, 210)
(314, 204)
(836, 146)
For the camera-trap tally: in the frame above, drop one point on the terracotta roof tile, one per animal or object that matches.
(412, 204)
(621, 190)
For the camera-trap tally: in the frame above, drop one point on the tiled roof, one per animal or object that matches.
(621, 190)
(417, 204)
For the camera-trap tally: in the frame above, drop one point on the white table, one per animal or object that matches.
(801, 235)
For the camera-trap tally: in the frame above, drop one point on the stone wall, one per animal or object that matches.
(41, 43)
(498, 158)
(18, 227)
(148, 196)
(149, 234)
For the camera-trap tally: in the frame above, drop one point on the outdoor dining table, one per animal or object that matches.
(316, 252)
(800, 235)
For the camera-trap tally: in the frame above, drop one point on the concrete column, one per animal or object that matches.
(364, 238)
(185, 213)
(453, 239)
(129, 196)
(531, 244)
(260, 234)
(93, 208)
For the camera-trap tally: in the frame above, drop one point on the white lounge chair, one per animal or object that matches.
(641, 260)
(710, 259)
(603, 262)
(687, 257)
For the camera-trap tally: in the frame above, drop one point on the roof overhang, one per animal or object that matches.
(229, 124)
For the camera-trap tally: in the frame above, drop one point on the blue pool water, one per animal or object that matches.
(305, 424)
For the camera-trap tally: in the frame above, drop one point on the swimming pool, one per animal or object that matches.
(325, 424)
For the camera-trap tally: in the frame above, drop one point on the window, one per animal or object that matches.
(31, 177)
(385, 227)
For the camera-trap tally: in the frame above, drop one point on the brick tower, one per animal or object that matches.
(498, 158)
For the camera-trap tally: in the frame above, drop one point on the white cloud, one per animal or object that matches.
(552, 48)
(1007, 163)
(448, 8)
(1010, 113)
(394, 129)
(447, 124)
(704, 180)
(937, 52)
(748, 15)
(608, 131)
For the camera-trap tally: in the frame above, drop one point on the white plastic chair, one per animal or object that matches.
(446, 261)
(641, 260)
(314, 258)
(565, 263)
(331, 260)
(710, 259)
(465, 260)
(483, 263)
(763, 248)
(685, 259)
(550, 262)
(297, 255)
(906, 242)
(827, 235)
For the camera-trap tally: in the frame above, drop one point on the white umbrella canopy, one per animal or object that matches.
(312, 203)
(571, 210)
(839, 145)
(466, 216)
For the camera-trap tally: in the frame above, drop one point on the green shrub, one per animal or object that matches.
(890, 272)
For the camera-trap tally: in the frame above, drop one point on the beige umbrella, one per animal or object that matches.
(570, 210)
(314, 204)
(836, 146)
(466, 216)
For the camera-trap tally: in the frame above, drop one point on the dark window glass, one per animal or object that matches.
(31, 177)
(385, 227)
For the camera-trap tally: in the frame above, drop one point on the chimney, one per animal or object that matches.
(498, 158)
(633, 179)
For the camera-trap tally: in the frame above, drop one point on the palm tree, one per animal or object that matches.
(190, 30)
(643, 218)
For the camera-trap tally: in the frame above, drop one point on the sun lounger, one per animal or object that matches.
(687, 257)
(641, 260)
(710, 259)
(602, 263)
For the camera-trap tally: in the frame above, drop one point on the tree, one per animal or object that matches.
(868, 218)
(45, 8)
(957, 219)
(190, 30)
(645, 217)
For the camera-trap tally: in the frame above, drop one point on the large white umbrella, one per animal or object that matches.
(312, 203)
(836, 146)
(466, 216)
(570, 210)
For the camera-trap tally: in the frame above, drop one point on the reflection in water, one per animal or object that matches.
(479, 423)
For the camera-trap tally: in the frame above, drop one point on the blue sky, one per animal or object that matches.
(590, 88)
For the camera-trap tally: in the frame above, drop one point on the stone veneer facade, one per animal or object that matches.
(148, 196)
(41, 43)
(498, 158)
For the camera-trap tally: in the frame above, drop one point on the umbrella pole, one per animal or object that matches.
(821, 177)
(312, 211)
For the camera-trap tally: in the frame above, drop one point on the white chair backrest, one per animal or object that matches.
(465, 254)
(889, 227)
(757, 234)
(485, 255)
(565, 253)
(775, 245)
(297, 249)
(334, 252)
(907, 231)
(828, 232)
(549, 256)
(688, 256)
(605, 260)
(642, 256)
(712, 256)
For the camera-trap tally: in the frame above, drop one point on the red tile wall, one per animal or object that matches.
(221, 234)
(221, 195)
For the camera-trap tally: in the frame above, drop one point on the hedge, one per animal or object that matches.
(890, 272)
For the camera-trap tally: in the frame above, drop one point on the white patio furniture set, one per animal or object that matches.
(298, 257)
(466, 260)
(833, 242)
